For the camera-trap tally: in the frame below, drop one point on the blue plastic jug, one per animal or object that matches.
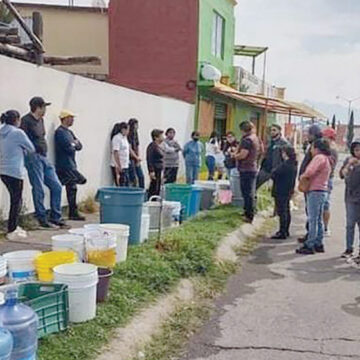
(6, 344)
(22, 322)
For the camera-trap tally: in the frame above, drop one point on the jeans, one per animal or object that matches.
(136, 175)
(192, 174)
(315, 201)
(171, 175)
(282, 203)
(248, 189)
(327, 201)
(15, 188)
(211, 165)
(123, 179)
(352, 218)
(155, 184)
(41, 173)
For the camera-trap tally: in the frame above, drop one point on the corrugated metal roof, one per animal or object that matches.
(270, 104)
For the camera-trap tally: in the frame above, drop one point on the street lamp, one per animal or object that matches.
(349, 101)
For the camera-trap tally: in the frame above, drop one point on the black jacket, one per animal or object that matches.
(154, 157)
(284, 177)
(273, 156)
(65, 149)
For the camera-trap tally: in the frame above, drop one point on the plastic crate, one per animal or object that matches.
(51, 304)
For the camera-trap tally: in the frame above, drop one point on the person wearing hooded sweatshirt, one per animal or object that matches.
(350, 171)
(13, 144)
(314, 133)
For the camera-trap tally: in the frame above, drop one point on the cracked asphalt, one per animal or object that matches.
(282, 306)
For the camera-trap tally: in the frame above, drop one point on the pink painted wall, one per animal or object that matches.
(153, 46)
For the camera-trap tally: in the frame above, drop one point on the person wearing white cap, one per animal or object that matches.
(66, 146)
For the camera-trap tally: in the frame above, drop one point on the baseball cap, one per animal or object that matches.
(38, 101)
(329, 133)
(66, 113)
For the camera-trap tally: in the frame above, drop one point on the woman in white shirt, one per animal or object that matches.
(212, 151)
(120, 154)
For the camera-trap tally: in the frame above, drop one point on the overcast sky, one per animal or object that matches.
(314, 45)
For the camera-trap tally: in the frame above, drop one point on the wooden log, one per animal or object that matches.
(72, 60)
(16, 51)
(10, 39)
(8, 31)
(35, 40)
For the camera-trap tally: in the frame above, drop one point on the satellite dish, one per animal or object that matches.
(210, 72)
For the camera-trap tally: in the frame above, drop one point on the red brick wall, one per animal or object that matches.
(153, 45)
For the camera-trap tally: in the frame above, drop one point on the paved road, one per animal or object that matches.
(287, 307)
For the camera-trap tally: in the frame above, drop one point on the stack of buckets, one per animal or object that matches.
(45, 262)
(21, 266)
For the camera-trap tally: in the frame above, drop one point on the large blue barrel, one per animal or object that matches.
(195, 201)
(122, 205)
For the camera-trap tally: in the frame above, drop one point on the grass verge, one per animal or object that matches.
(187, 319)
(151, 270)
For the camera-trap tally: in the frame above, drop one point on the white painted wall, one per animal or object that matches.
(98, 106)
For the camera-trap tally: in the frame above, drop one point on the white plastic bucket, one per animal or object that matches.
(81, 280)
(69, 242)
(122, 239)
(92, 227)
(79, 231)
(176, 205)
(3, 269)
(145, 227)
(21, 265)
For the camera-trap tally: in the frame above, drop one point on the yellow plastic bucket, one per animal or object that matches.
(45, 262)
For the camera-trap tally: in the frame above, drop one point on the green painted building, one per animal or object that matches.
(216, 111)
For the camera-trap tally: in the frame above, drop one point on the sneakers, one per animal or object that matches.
(17, 235)
(305, 251)
(320, 249)
(77, 217)
(45, 225)
(279, 236)
(60, 224)
(347, 254)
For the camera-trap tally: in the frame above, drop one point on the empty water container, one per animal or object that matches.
(6, 344)
(22, 322)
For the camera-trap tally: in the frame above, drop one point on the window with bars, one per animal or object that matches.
(218, 36)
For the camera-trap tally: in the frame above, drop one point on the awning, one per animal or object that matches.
(278, 106)
(245, 50)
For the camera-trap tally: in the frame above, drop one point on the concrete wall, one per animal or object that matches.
(98, 106)
(153, 46)
(75, 31)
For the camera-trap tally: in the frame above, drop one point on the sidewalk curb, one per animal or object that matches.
(127, 342)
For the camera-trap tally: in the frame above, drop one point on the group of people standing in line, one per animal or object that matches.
(23, 146)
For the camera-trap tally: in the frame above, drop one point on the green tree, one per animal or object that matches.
(5, 15)
(333, 123)
(350, 132)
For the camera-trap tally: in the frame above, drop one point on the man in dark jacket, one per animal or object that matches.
(272, 158)
(41, 171)
(66, 146)
(155, 162)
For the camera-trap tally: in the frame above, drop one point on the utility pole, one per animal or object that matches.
(350, 102)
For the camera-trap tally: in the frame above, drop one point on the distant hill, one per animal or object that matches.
(341, 111)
